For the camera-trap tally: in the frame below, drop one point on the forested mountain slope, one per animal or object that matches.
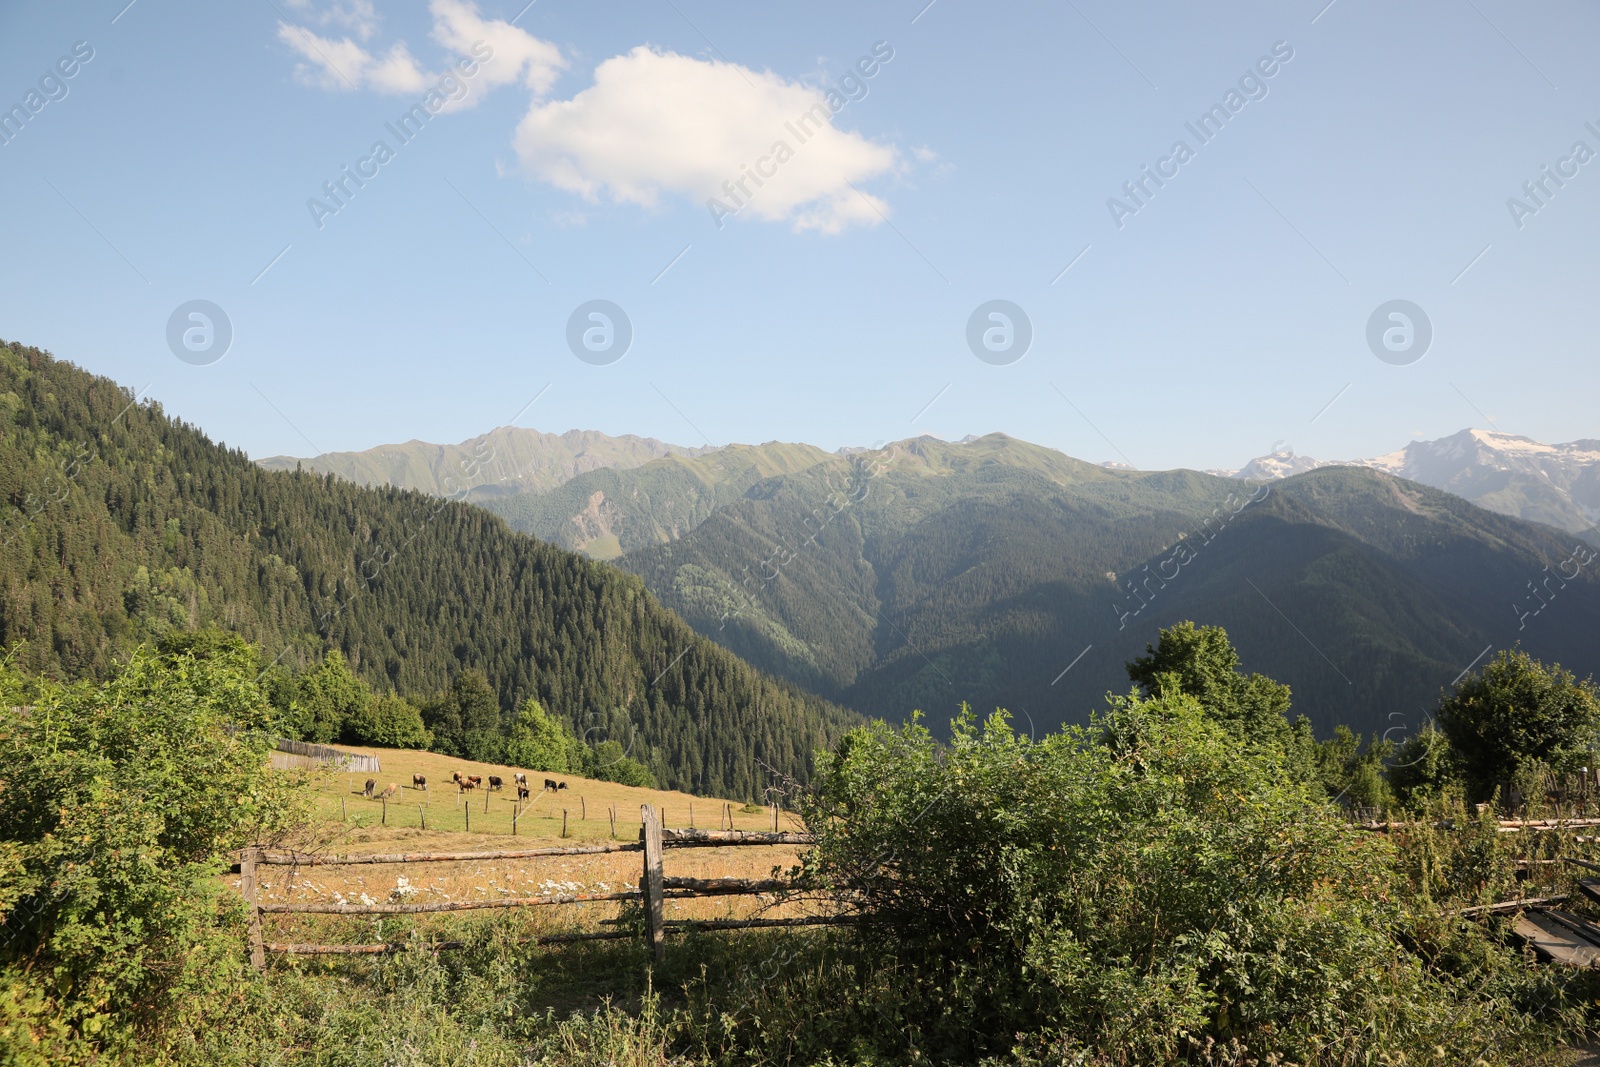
(932, 572)
(605, 513)
(123, 523)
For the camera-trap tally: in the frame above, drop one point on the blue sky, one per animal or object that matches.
(1225, 316)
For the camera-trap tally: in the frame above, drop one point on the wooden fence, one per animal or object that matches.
(337, 758)
(655, 888)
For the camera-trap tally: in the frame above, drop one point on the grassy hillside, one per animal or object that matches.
(125, 524)
(586, 801)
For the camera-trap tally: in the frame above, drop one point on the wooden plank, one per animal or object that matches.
(399, 946)
(718, 838)
(722, 886)
(1585, 864)
(1504, 826)
(1556, 940)
(674, 925)
(247, 888)
(290, 858)
(460, 905)
(1505, 907)
(651, 883)
(1590, 887)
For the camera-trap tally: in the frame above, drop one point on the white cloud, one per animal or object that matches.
(519, 56)
(652, 124)
(514, 55)
(355, 15)
(659, 123)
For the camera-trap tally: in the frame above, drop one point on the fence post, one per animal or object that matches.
(385, 821)
(583, 808)
(516, 813)
(612, 811)
(691, 815)
(468, 811)
(247, 887)
(651, 883)
(343, 816)
(423, 816)
(563, 822)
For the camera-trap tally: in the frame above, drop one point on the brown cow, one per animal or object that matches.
(419, 781)
(456, 777)
(372, 783)
(466, 784)
(522, 792)
(389, 792)
(475, 779)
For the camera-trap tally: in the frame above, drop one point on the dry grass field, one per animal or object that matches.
(350, 823)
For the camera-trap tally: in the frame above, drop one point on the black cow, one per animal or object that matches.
(522, 792)
(372, 783)
(495, 782)
(419, 781)
(563, 785)
(550, 784)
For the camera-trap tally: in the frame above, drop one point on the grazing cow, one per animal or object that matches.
(522, 792)
(495, 782)
(372, 783)
(475, 779)
(389, 792)
(563, 785)
(520, 778)
(466, 784)
(419, 781)
(550, 784)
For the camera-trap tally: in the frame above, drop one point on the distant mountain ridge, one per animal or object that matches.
(1014, 576)
(1558, 485)
(508, 459)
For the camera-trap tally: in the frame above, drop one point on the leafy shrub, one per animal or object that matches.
(1518, 712)
(1118, 893)
(541, 742)
(118, 803)
(386, 720)
(610, 762)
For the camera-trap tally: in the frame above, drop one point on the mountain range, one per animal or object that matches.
(505, 460)
(1558, 485)
(1008, 574)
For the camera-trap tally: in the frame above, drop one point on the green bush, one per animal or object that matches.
(386, 720)
(118, 803)
(1517, 713)
(610, 762)
(540, 742)
(1119, 893)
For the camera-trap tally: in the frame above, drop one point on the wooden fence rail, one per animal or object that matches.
(655, 888)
